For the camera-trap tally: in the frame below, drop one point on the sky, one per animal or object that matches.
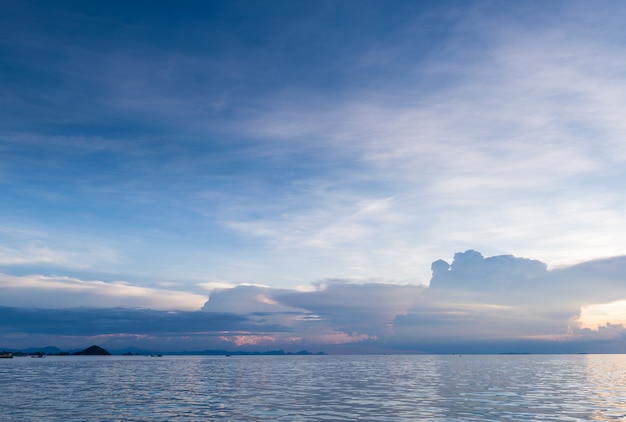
(339, 176)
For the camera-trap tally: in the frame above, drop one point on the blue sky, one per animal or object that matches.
(302, 164)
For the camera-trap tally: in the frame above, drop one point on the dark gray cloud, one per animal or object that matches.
(597, 281)
(92, 321)
(118, 328)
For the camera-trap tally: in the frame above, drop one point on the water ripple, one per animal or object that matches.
(315, 388)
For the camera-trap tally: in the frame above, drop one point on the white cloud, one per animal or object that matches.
(37, 291)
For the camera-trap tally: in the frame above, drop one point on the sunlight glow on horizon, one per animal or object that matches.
(599, 315)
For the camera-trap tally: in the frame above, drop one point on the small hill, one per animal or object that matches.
(93, 351)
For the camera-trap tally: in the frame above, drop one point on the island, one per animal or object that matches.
(93, 351)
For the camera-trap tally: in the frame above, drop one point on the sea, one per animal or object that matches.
(314, 388)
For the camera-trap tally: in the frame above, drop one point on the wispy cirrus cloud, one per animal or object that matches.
(500, 129)
(521, 149)
(37, 253)
(29, 246)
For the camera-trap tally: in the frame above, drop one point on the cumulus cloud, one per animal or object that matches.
(334, 310)
(506, 298)
(471, 271)
(474, 299)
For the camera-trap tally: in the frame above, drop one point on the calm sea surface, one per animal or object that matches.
(310, 388)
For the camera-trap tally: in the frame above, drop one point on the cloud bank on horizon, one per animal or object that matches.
(153, 155)
(473, 304)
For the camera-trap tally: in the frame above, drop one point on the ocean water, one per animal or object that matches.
(315, 388)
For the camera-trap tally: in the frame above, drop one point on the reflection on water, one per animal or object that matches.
(334, 388)
(607, 375)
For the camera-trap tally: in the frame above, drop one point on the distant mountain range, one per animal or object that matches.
(52, 350)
